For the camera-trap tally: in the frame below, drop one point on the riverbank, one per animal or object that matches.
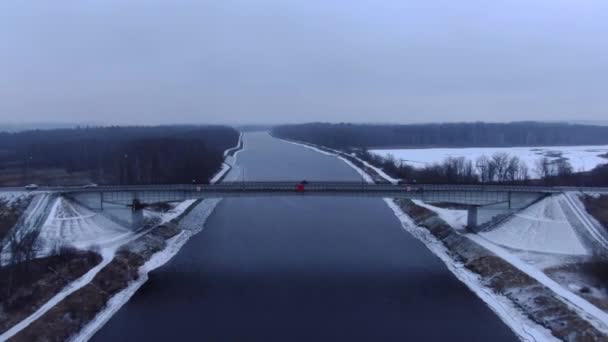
(76, 311)
(532, 310)
(83, 312)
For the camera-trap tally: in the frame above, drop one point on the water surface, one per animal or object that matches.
(302, 269)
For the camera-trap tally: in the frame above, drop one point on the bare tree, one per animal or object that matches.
(501, 163)
(563, 168)
(524, 174)
(543, 168)
(512, 170)
(22, 247)
(482, 164)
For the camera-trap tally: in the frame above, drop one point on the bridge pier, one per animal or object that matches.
(472, 218)
(137, 214)
(137, 218)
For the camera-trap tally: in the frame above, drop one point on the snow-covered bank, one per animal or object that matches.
(341, 156)
(229, 161)
(504, 308)
(454, 217)
(68, 290)
(69, 224)
(531, 308)
(586, 310)
(190, 225)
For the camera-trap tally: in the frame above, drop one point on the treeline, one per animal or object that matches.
(120, 155)
(445, 135)
(499, 168)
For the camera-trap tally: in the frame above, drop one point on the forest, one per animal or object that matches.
(114, 155)
(476, 134)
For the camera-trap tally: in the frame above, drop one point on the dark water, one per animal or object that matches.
(303, 269)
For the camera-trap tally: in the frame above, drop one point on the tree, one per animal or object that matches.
(501, 163)
(482, 164)
(543, 168)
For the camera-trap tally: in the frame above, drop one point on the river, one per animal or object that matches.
(302, 269)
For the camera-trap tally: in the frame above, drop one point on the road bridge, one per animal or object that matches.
(471, 196)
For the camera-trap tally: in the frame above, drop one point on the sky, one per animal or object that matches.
(285, 61)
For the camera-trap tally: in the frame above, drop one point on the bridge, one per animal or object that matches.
(137, 197)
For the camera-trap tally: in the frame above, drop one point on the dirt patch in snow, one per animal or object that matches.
(535, 300)
(24, 288)
(69, 316)
(598, 207)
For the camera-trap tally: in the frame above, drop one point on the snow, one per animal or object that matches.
(70, 223)
(66, 291)
(192, 224)
(519, 323)
(582, 158)
(378, 170)
(73, 224)
(307, 146)
(225, 168)
(237, 145)
(363, 174)
(11, 196)
(336, 154)
(543, 227)
(456, 218)
(597, 317)
(175, 212)
(588, 222)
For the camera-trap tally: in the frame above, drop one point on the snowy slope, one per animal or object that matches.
(543, 227)
(456, 218)
(69, 223)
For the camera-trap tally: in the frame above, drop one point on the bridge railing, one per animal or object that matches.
(318, 186)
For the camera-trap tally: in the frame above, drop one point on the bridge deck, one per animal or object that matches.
(315, 187)
(463, 194)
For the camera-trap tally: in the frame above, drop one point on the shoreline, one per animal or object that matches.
(507, 306)
(172, 245)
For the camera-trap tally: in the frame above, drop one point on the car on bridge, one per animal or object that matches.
(31, 187)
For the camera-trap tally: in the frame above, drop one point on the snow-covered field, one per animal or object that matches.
(582, 158)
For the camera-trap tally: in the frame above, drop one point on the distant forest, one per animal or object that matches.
(114, 155)
(445, 135)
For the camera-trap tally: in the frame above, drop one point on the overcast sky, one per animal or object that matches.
(266, 61)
